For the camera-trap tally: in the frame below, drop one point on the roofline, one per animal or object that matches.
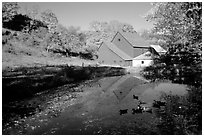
(117, 54)
(132, 44)
(142, 47)
(100, 45)
(163, 51)
(125, 39)
(142, 59)
(114, 36)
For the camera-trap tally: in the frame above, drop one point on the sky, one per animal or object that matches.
(81, 14)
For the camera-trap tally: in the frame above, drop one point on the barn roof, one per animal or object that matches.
(117, 51)
(158, 48)
(145, 56)
(135, 40)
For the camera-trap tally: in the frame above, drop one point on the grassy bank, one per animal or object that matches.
(25, 82)
(21, 85)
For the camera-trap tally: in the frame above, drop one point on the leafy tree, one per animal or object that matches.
(76, 40)
(68, 41)
(193, 14)
(179, 25)
(168, 20)
(176, 20)
(49, 18)
(104, 31)
(51, 21)
(118, 26)
(9, 10)
(98, 26)
(184, 48)
(32, 12)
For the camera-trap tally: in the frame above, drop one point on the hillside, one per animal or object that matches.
(37, 38)
(18, 52)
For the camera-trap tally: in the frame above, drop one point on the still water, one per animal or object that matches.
(98, 109)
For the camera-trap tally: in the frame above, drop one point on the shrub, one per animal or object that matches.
(181, 64)
(182, 114)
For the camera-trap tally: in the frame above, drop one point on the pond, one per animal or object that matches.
(107, 106)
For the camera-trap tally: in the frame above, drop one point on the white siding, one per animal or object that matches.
(141, 63)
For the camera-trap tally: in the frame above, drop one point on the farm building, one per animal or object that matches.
(110, 54)
(127, 49)
(157, 49)
(143, 60)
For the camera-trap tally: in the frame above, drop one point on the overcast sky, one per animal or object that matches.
(82, 14)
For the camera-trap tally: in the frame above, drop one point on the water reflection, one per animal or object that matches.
(125, 85)
(152, 91)
(158, 89)
(101, 113)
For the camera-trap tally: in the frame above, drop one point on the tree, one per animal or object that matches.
(51, 21)
(179, 25)
(104, 31)
(98, 26)
(32, 12)
(118, 26)
(193, 14)
(183, 57)
(152, 37)
(9, 10)
(49, 18)
(176, 20)
(69, 41)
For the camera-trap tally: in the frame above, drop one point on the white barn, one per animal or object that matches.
(146, 59)
(143, 60)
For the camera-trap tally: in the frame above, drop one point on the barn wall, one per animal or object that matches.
(128, 63)
(122, 44)
(138, 63)
(106, 56)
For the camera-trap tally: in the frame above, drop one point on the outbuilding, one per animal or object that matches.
(143, 60)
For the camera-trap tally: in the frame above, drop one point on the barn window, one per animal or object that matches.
(142, 62)
(114, 61)
(120, 61)
(118, 39)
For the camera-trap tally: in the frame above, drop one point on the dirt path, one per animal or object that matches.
(96, 110)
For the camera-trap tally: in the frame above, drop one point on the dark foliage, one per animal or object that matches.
(179, 65)
(20, 22)
(182, 64)
(182, 114)
(25, 82)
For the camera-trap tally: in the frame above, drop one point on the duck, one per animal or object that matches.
(137, 110)
(123, 111)
(158, 104)
(147, 109)
(135, 97)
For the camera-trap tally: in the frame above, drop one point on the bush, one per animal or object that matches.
(182, 114)
(181, 64)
